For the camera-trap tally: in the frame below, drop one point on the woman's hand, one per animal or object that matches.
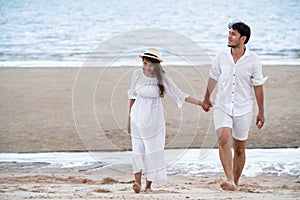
(193, 101)
(200, 103)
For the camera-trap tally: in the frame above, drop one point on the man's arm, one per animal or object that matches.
(259, 94)
(211, 84)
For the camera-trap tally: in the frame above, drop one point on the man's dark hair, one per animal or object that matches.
(242, 28)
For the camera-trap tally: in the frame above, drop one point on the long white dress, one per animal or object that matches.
(148, 123)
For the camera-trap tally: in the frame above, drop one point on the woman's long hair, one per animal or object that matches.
(159, 75)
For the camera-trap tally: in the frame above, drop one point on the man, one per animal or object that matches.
(236, 71)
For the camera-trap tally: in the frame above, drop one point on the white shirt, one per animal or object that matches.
(235, 81)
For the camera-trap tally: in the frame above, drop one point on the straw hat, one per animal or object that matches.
(152, 53)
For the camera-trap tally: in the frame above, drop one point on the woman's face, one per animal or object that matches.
(148, 66)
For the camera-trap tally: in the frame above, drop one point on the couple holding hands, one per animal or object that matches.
(236, 71)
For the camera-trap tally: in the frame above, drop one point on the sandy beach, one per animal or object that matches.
(104, 183)
(72, 109)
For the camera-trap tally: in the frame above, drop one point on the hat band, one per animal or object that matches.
(150, 54)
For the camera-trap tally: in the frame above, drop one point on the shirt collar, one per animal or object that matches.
(246, 54)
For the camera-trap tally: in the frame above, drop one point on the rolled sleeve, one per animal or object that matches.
(213, 75)
(215, 70)
(257, 77)
(259, 81)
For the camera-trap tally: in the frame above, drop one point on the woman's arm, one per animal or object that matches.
(193, 101)
(131, 102)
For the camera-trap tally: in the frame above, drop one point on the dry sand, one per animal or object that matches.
(72, 109)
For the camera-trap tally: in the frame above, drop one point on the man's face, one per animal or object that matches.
(234, 38)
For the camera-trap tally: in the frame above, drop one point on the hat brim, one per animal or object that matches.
(148, 56)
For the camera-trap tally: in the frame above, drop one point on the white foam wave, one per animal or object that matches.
(123, 63)
(191, 162)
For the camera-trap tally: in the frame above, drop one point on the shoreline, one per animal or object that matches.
(128, 150)
(78, 65)
(191, 162)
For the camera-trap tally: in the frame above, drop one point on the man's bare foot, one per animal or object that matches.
(136, 187)
(148, 190)
(227, 185)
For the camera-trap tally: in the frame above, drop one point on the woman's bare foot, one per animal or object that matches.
(136, 187)
(228, 185)
(148, 190)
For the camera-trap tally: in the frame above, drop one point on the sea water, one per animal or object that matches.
(64, 33)
(194, 162)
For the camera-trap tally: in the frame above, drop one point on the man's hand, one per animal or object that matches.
(206, 105)
(260, 120)
(211, 84)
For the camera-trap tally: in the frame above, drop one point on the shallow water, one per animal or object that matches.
(195, 162)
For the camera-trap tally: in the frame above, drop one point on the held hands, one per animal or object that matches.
(206, 105)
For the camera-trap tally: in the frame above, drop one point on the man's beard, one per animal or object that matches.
(232, 45)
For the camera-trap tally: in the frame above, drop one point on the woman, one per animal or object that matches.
(146, 122)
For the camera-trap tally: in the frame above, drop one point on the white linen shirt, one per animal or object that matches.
(235, 81)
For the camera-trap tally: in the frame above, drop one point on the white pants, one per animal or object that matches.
(240, 125)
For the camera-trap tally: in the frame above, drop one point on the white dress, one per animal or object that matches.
(148, 123)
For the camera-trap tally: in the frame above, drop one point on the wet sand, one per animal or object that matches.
(100, 182)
